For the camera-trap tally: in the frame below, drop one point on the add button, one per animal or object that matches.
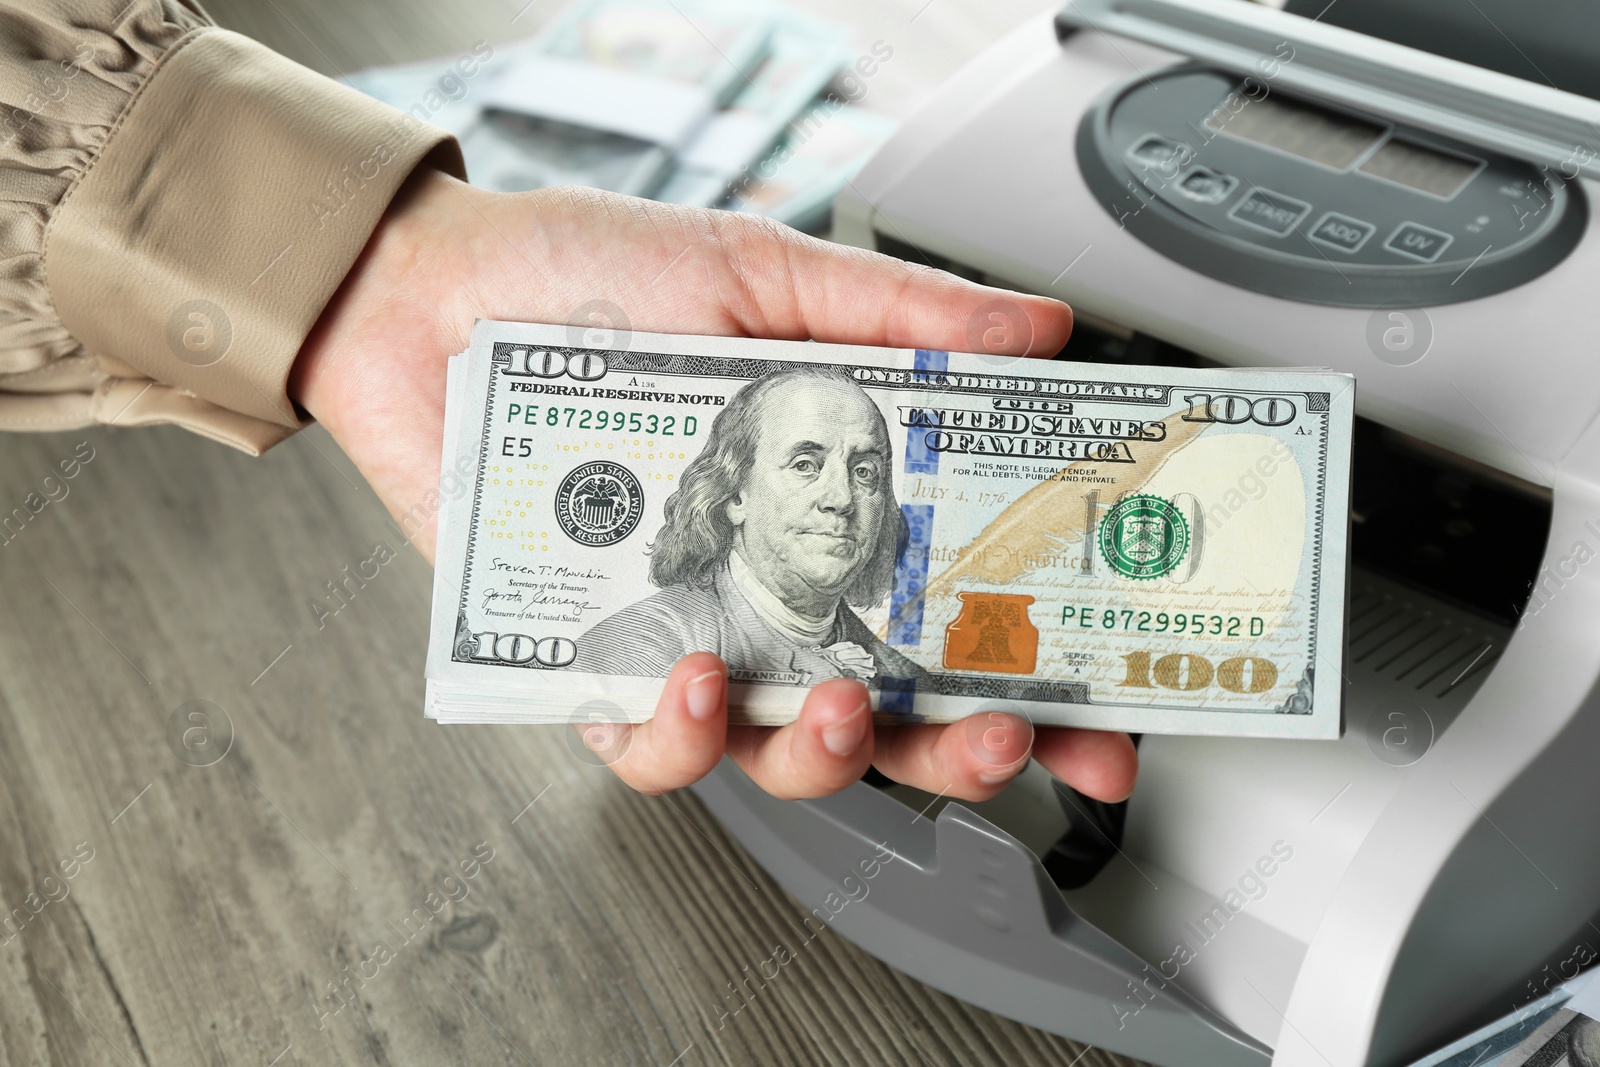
(1341, 232)
(1269, 211)
(1418, 242)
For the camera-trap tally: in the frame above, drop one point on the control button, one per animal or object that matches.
(1207, 186)
(1341, 232)
(1269, 211)
(1418, 242)
(1158, 151)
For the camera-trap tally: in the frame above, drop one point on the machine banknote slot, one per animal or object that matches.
(1452, 528)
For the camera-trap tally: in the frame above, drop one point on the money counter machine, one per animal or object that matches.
(1215, 181)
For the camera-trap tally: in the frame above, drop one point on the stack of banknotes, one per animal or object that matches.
(701, 102)
(1139, 548)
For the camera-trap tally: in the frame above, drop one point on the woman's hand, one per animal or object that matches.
(445, 254)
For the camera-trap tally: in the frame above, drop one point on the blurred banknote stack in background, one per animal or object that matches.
(742, 104)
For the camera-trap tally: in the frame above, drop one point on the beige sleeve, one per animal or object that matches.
(177, 205)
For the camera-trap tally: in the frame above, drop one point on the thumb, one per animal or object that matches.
(799, 286)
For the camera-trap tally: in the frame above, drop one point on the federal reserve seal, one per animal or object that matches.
(599, 503)
(1144, 537)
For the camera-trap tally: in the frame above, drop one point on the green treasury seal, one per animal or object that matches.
(1144, 536)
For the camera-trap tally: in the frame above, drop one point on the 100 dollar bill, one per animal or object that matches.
(1139, 548)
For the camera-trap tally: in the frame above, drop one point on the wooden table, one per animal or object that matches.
(228, 836)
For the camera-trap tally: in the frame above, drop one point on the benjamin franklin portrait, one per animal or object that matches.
(778, 529)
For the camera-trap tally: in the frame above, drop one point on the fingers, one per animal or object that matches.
(798, 286)
(832, 742)
(975, 758)
(685, 739)
(1102, 764)
(972, 759)
(827, 748)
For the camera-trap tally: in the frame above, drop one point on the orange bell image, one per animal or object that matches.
(992, 633)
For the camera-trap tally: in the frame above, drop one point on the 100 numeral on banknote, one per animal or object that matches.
(1155, 549)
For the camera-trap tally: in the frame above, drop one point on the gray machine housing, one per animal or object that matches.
(1423, 875)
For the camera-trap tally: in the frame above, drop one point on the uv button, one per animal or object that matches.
(1418, 242)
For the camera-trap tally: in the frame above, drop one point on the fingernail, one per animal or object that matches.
(994, 739)
(703, 694)
(845, 736)
(600, 737)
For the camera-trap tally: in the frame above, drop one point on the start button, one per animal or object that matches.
(1269, 211)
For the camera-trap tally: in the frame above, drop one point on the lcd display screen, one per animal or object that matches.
(1302, 130)
(1435, 173)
